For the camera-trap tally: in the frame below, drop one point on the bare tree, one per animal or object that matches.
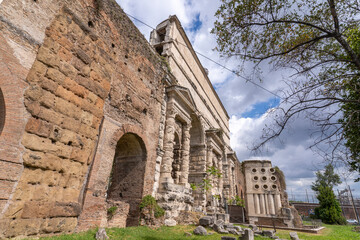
(320, 42)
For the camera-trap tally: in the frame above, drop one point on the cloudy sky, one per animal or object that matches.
(246, 103)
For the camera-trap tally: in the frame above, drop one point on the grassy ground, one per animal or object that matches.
(177, 233)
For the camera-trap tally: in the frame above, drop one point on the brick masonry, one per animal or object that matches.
(84, 72)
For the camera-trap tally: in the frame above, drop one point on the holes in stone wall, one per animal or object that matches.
(2, 111)
(90, 24)
(265, 186)
(274, 186)
(253, 170)
(255, 178)
(272, 170)
(263, 170)
(264, 178)
(256, 186)
(273, 178)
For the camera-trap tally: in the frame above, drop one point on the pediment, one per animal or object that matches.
(183, 94)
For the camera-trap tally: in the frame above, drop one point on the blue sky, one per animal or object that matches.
(249, 107)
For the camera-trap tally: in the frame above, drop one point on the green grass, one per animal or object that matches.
(331, 232)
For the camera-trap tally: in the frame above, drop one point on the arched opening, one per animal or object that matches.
(127, 175)
(197, 163)
(2, 111)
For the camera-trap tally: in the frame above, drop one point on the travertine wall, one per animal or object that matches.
(69, 75)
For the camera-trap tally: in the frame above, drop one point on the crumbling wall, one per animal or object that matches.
(90, 65)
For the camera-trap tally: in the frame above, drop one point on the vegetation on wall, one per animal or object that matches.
(150, 203)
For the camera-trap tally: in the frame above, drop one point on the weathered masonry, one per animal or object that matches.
(93, 116)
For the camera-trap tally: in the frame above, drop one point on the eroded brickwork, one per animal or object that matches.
(84, 72)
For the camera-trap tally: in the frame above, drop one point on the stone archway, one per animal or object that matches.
(127, 176)
(197, 162)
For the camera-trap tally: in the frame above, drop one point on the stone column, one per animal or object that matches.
(277, 202)
(220, 169)
(271, 204)
(185, 155)
(166, 165)
(262, 204)
(256, 203)
(266, 203)
(209, 156)
(250, 203)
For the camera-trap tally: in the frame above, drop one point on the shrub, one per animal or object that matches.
(329, 210)
(149, 202)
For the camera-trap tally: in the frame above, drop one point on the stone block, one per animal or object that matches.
(206, 221)
(47, 57)
(67, 69)
(227, 238)
(248, 234)
(101, 234)
(55, 75)
(200, 230)
(40, 209)
(268, 233)
(23, 227)
(38, 127)
(294, 236)
(170, 222)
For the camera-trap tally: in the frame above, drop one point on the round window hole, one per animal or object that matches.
(263, 170)
(274, 186)
(273, 178)
(256, 178)
(265, 186)
(257, 186)
(272, 170)
(254, 170)
(264, 178)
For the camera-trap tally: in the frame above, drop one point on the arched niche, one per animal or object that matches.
(196, 132)
(2, 111)
(127, 175)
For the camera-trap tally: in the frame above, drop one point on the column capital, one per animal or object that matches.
(171, 113)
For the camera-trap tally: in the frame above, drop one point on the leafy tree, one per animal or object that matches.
(329, 210)
(319, 42)
(328, 178)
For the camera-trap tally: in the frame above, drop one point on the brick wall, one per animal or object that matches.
(93, 64)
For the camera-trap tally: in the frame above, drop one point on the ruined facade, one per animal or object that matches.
(94, 117)
(266, 199)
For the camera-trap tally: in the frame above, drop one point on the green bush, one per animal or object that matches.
(149, 202)
(329, 210)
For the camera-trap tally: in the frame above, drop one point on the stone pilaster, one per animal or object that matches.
(209, 156)
(166, 165)
(185, 155)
